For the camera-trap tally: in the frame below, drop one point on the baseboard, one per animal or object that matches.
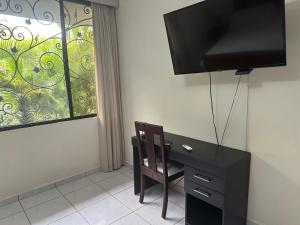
(36, 191)
(8, 200)
(47, 187)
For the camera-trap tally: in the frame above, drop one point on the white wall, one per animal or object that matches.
(150, 90)
(152, 93)
(37, 156)
(274, 134)
(181, 103)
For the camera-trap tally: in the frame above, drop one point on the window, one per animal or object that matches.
(46, 61)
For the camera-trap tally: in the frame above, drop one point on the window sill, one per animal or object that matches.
(46, 122)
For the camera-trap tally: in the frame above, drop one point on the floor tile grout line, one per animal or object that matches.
(121, 218)
(142, 218)
(121, 203)
(92, 183)
(77, 211)
(14, 214)
(47, 202)
(128, 207)
(160, 195)
(126, 174)
(24, 210)
(145, 204)
(98, 184)
(83, 217)
(57, 186)
(125, 188)
(64, 195)
(109, 195)
(61, 194)
(169, 200)
(91, 203)
(112, 195)
(70, 214)
(154, 201)
(79, 189)
(42, 203)
(87, 177)
(84, 175)
(131, 211)
(95, 182)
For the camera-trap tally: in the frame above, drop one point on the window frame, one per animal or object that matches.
(67, 78)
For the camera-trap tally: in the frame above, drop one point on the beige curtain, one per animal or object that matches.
(111, 134)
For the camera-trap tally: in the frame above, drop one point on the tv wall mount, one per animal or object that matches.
(243, 71)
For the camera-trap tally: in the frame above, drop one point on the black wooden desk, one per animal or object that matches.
(216, 180)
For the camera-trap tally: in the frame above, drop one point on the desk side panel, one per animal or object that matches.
(236, 193)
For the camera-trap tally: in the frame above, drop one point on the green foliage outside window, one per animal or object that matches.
(32, 74)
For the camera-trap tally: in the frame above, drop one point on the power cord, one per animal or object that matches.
(231, 108)
(230, 111)
(212, 108)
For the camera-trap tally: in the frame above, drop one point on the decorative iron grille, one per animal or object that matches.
(46, 61)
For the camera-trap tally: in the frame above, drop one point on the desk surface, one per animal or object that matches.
(203, 152)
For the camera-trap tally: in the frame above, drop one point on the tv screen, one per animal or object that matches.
(216, 35)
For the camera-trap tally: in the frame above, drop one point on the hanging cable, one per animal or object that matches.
(212, 108)
(231, 108)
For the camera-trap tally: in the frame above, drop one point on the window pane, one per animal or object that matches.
(80, 45)
(32, 82)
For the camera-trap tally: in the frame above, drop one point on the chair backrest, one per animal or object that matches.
(151, 145)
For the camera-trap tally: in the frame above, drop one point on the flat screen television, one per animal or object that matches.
(216, 35)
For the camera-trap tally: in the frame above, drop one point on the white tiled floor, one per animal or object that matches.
(17, 219)
(42, 197)
(99, 199)
(74, 185)
(10, 209)
(116, 184)
(152, 213)
(87, 196)
(50, 211)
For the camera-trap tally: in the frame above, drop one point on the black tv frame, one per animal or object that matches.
(239, 71)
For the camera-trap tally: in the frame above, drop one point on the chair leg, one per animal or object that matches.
(142, 189)
(165, 203)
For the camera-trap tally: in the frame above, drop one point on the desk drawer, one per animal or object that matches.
(205, 194)
(204, 179)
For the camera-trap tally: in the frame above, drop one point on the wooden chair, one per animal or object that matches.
(154, 160)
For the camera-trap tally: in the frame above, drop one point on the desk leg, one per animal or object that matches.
(137, 175)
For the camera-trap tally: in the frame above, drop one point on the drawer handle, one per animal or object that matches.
(205, 179)
(205, 194)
